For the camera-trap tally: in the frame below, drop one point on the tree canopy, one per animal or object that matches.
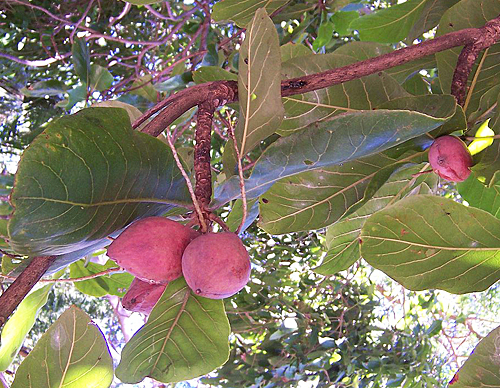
(304, 127)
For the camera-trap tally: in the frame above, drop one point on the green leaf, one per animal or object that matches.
(75, 95)
(87, 176)
(19, 325)
(389, 25)
(100, 78)
(143, 87)
(328, 143)
(212, 73)
(435, 328)
(480, 196)
(325, 35)
(365, 93)
(236, 215)
(342, 238)
(142, 2)
(259, 91)
(186, 336)
(481, 368)
(467, 14)
(315, 199)
(45, 88)
(72, 353)
(293, 50)
(133, 112)
(242, 12)
(342, 21)
(428, 242)
(81, 59)
(429, 18)
(113, 284)
(486, 103)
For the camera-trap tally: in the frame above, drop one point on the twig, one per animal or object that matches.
(37, 63)
(11, 298)
(71, 280)
(197, 207)
(241, 177)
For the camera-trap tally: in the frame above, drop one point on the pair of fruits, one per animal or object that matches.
(157, 250)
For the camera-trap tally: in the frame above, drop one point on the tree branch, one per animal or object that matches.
(225, 92)
(11, 298)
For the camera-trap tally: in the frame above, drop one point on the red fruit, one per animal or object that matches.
(450, 158)
(216, 265)
(151, 249)
(142, 296)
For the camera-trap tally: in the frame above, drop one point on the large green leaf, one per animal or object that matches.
(19, 325)
(259, 83)
(389, 25)
(113, 284)
(430, 16)
(429, 241)
(466, 14)
(186, 336)
(364, 93)
(342, 238)
(480, 196)
(100, 78)
(72, 353)
(328, 143)
(87, 176)
(242, 11)
(315, 199)
(45, 88)
(481, 369)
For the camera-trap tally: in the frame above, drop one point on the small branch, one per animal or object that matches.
(202, 148)
(11, 298)
(466, 61)
(38, 63)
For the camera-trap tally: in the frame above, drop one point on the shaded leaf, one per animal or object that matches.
(100, 78)
(143, 87)
(212, 73)
(481, 368)
(242, 12)
(325, 35)
(293, 50)
(466, 14)
(19, 325)
(480, 196)
(81, 59)
(87, 176)
(342, 238)
(341, 139)
(113, 284)
(259, 83)
(428, 242)
(389, 25)
(430, 16)
(186, 336)
(72, 353)
(45, 88)
(342, 21)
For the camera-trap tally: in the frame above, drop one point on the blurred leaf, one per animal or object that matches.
(259, 92)
(435, 328)
(177, 82)
(72, 353)
(186, 336)
(426, 242)
(430, 16)
(114, 284)
(242, 12)
(75, 95)
(212, 73)
(19, 325)
(133, 112)
(480, 196)
(328, 143)
(142, 2)
(81, 59)
(325, 35)
(100, 78)
(342, 21)
(90, 174)
(389, 25)
(143, 87)
(293, 50)
(45, 88)
(481, 368)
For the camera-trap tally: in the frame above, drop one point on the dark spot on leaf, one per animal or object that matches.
(404, 231)
(450, 24)
(308, 162)
(265, 200)
(246, 61)
(360, 241)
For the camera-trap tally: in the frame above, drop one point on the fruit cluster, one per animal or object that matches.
(157, 250)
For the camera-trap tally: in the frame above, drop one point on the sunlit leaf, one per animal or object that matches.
(186, 336)
(478, 145)
(72, 353)
(428, 242)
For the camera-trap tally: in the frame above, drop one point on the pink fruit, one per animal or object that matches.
(216, 265)
(151, 249)
(142, 296)
(450, 158)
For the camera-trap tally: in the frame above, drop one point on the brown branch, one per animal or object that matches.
(11, 298)
(227, 91)
(202, 170)
(465, 62)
